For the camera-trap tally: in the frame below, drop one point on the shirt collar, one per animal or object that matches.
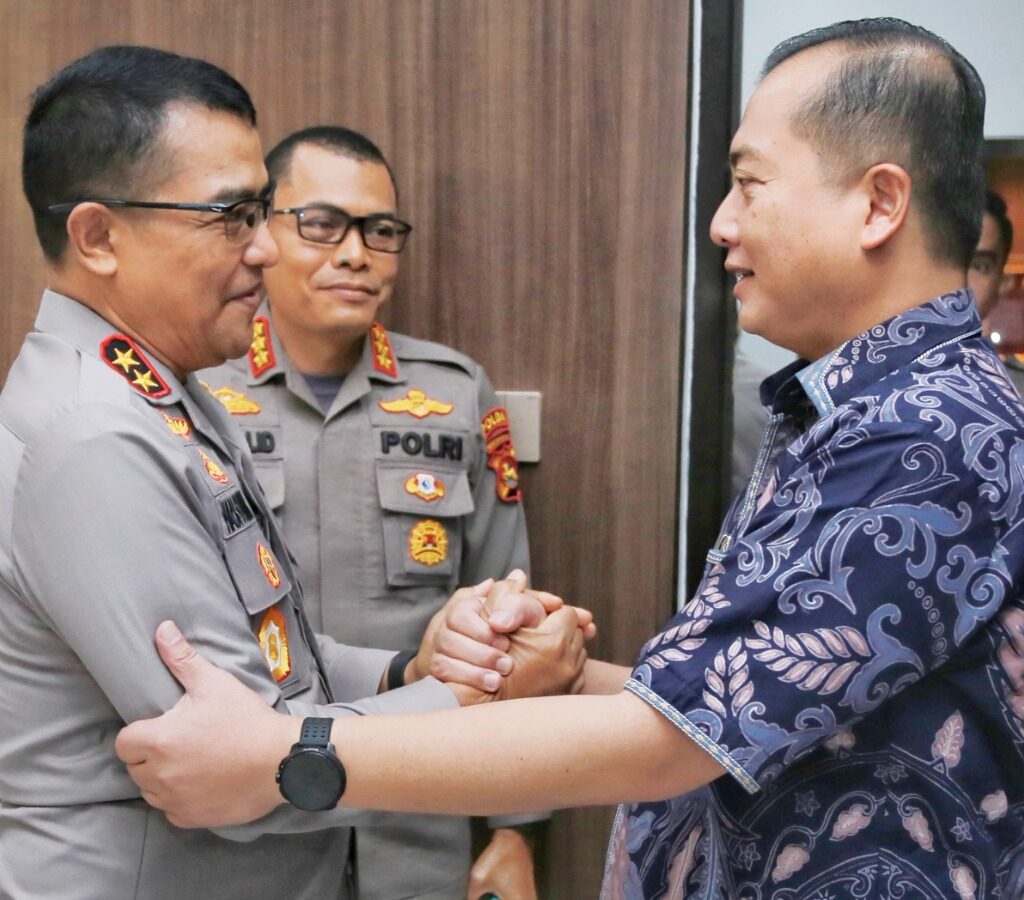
(92, 335)
(267, 356)
(868, 358)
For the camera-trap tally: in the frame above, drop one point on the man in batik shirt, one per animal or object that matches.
(848, 680)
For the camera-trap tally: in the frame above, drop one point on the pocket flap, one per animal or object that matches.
(258, 576)
(424, 490)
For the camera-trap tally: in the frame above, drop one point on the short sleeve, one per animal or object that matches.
(869, 563)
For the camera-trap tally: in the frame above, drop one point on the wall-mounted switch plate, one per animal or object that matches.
(524, 419)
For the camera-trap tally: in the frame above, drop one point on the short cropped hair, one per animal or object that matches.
(342, 141)
(995, 206)
(903, 95)
(94, 128)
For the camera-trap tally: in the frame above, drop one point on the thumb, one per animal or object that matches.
(180, 657)
(509, 607)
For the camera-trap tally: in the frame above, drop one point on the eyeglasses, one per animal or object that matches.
(241, 218)
(329, 225)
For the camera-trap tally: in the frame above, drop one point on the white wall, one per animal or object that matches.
(990, 33)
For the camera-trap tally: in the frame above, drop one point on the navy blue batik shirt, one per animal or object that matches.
(854, 656)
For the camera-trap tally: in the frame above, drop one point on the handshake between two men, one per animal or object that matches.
(495, 641)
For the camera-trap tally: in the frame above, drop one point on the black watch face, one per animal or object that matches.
(312, 779)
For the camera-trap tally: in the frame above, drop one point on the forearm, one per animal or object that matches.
(604, 678)
(519, 755)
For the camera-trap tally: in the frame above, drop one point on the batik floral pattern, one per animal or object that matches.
(854, 658)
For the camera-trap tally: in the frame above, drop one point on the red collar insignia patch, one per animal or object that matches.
(123, 355)
(383, 355)
(261, 350)
(501, 454)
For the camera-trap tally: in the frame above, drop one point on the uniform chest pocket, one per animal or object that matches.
(265, 591)
(270, 474)
(422, 510)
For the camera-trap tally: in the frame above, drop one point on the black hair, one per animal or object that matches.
(343, 141)
(94, 127)
(995, 206)
(903, 95)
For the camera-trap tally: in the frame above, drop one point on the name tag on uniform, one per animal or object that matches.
(429, 444)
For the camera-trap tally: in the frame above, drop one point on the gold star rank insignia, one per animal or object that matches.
(383, 355)
(428, 543)
(235, 402)
(273, 637)
(425, 486)
(123, 355)
(416, 403)
(125, 359)
(261, 350)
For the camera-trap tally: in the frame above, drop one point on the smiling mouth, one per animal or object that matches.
(740, 275)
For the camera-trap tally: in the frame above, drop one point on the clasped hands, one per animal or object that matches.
(501, 640)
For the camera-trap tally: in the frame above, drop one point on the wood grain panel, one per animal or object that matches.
(540, 148)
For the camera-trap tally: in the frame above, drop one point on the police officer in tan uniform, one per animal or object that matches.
(128, 495)
(386, 458)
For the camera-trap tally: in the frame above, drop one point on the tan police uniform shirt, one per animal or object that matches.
(403, 491)
(127, 498)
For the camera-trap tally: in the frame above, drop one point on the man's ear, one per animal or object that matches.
(89, 238)
(887, 189)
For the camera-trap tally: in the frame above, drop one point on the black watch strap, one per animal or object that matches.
(315, 732)
(395, 677)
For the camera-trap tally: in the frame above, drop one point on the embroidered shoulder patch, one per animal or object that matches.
(261, 350)
(235, 402)
(428, 543)
(501, 454)
(416, 403)
(123, 355)
(383, 355)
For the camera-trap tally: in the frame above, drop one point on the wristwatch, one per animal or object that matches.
(311, 776)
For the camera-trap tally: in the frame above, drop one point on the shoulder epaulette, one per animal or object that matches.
(123, 355)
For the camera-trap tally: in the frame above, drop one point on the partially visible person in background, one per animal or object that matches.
(985, 275)
(388, 461)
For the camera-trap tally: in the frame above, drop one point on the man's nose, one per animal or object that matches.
(262, 249)
(724, 231)
(351, 251)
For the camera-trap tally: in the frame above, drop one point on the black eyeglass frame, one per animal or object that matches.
(358, 221)
(265, 201)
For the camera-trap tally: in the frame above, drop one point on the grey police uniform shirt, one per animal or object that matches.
(128, 498)
(399, 459)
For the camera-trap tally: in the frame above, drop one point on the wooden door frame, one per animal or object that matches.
(709, 327)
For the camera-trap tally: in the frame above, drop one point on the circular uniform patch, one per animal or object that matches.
(428, 543)
(268, 565)
(274, 644)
